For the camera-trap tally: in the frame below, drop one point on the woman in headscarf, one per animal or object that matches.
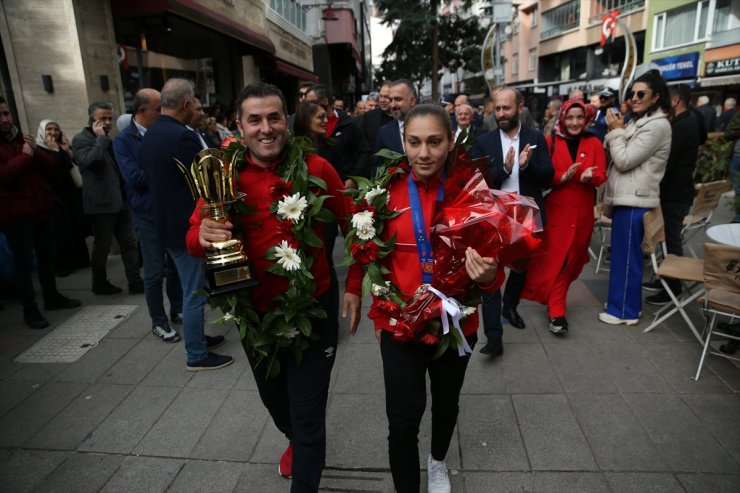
(69, 222)
(580, 166)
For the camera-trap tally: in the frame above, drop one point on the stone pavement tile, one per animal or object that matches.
(630, 369)
(25, 469)
(425, 441)
(684, 441)
(261, 478)
(640, 482)
(234, 430)
(359, 371)
(523, 369)
(130, 421)
(137, 363)
(489, 434)
(580, 367)
(246, 380)
(584, 327)
(14, 392)
(39, 372)
(579, 294)
(499, 482)
(8, 367)
(367, 481)
(170, 371)
(81, 473)
(143, 474)
(357, 432)
(80, 418)
(137, 326)
(677, 363)
(207, 476)
(714, 483)
(727, 371)
(572, 482)
(617, 440)
(721, 415)
(180, 427)
(272, 443)
(223, 378)
(30, 415)
(96, 361)
(551, 433)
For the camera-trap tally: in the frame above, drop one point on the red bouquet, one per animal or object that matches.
(496, 224)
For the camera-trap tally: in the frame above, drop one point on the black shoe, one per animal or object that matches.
(176, 318)
(660, 298)
(510, 314)
(212, 361)
(215, 341)
(106, 288)
(493, 348)
(730, 347)
(136, 287)
(60, 302)
(652, 286)
(33, 318)
(558, 325)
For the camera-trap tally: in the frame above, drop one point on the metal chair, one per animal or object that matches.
(700, 215)
(689, 271)
(722, 281)
(603, 231)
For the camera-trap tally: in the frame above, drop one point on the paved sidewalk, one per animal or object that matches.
(603, 409)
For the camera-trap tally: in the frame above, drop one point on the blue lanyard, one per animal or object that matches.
(421, 234)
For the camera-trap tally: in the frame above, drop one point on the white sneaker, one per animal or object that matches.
(611, 319)
(167, 334)
(438, 481)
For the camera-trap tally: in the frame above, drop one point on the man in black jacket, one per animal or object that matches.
(376, 117)
(677, 185)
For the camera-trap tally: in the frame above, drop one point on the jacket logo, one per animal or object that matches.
(329, 352)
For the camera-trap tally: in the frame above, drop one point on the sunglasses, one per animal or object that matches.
(322, 116)
(640, 95)
(302, 94)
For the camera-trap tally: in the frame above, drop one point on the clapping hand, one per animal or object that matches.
(509, 161)
(525, 156)
(588, 174)
(613, 120)
(570, 172)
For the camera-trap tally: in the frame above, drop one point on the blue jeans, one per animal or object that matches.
(625, 272)
(192, 279)
(155, 269)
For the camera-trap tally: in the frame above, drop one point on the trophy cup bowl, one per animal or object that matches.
(226, 266)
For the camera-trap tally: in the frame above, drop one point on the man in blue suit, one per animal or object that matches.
(519, 162)
(390, 135)
(168, 140)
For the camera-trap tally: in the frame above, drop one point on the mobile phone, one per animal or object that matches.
(533, 147)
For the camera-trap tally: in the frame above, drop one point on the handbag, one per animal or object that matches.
(74, 172)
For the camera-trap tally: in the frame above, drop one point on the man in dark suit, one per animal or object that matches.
(390, 135)
(376, 117)
(516, 165)
(165, 143)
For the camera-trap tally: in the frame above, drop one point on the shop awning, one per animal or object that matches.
(292, 70)
(724, 80)
(194, 12)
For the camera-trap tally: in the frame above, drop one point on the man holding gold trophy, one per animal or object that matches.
(167, 142)
(290, 192)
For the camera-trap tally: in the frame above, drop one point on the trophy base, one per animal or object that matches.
(229, 278)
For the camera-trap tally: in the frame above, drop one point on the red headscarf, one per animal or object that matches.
(588, 110)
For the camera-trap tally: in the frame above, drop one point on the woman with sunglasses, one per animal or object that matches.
(639, 153)
(580, 165)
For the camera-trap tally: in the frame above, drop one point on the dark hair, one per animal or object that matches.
(407, 83)
(2, 100)
(322, 91)
(302, 124)
(656, 83)
(97, 105)
(432, 110)
(683, 92)
(259, 90)
(305, 84)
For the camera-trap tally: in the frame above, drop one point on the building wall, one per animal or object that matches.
(656, 7)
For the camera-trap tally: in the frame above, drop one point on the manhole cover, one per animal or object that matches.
(76, 335)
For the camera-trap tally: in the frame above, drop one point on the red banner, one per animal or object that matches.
(609, 27)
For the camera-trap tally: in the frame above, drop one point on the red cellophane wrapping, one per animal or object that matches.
(504, 226)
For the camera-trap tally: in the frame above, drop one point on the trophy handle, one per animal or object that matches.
(188, 179)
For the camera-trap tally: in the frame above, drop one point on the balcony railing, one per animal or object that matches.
(601, 7)
(560, 19)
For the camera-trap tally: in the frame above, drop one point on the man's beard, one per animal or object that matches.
(510, 124)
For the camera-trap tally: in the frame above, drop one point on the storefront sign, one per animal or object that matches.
(727, 66)
(679, 67)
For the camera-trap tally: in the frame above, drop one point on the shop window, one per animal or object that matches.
(726, 16)
(291, 11)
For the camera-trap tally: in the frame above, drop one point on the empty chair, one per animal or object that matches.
(700, 214)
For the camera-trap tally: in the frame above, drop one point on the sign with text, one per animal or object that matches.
(728, 66)
(684, 66)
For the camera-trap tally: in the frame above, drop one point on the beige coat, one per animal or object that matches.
(639, 154)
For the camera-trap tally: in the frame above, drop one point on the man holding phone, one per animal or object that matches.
(104, 201)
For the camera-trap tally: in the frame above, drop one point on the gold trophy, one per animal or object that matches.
(227, 268)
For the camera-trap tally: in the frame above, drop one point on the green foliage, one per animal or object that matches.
(713, 163)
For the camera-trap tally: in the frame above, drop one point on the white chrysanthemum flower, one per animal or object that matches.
(287, 256)
(379, 290)
(291, 333)
(366, 233)
(469, 310)
(362, 220)
(228, 316)
(291, 207)
(374, 192)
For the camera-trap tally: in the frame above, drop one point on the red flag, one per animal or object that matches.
(609, 27)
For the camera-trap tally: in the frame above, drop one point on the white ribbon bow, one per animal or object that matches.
(455, 310)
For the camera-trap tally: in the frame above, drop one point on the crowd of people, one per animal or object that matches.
(638, 155)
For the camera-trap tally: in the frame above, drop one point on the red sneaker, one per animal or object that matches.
(285, 466)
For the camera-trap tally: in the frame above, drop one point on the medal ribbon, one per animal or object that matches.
(423, 245)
